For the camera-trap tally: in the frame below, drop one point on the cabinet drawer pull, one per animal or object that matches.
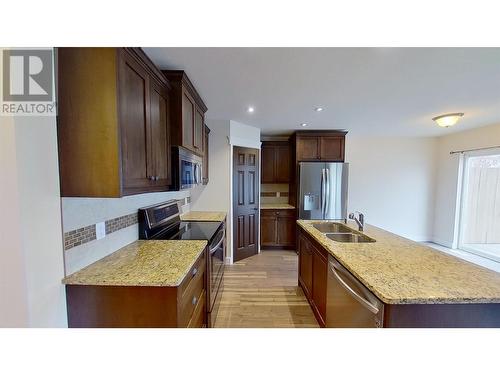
(195, 271)
(194, 300)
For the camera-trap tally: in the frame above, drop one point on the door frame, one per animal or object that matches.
(460, 220)
(230, 259)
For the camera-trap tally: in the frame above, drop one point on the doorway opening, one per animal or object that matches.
(479, 229)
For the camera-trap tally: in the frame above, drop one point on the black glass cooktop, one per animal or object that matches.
(190, 230)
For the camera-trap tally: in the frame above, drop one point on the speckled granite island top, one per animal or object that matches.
(400, 271)
(276, 206)
(142, 263)
(204, 216)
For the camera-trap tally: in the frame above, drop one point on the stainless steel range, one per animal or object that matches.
(162, 222)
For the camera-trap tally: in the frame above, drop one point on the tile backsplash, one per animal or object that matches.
(80, 216)
(274, 193)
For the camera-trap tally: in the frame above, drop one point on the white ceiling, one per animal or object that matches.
(367, 91)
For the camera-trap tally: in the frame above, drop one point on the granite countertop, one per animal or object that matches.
(276, 206)
(204, 216)
(400, 271)
(142, 263)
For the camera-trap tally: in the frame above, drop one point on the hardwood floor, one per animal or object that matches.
(262, 292)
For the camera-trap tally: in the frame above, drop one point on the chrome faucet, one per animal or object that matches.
(360, 221)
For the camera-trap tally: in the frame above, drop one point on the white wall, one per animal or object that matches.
(32, 251)
(449, 174)
(217, 195)
(13, 289)
(391, 180)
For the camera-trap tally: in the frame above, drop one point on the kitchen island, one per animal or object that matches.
(144, 284)
(418, 286)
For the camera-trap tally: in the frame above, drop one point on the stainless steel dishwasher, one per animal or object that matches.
(349, 303)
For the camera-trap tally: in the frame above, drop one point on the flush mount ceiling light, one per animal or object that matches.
(448, 119)
(318, 109)
(303, 124)
(250, 109)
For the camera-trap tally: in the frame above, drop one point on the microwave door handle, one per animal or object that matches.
(195, 173)
(360, 299)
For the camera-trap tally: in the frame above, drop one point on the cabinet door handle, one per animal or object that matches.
(195, 271)
(151, 178)
(194, 300)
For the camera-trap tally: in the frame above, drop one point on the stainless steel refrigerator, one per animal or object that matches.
(323, 190)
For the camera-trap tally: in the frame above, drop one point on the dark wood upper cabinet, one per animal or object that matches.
(160, 137)
(188, 112)
(137, 164)
(308, 148)
(276, 162)
(320, 145)
(113, 123)
(268, 164)
(206, 137)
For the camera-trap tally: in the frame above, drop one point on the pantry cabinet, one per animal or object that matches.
(276, 162)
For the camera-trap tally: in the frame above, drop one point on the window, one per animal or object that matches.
(480, 207)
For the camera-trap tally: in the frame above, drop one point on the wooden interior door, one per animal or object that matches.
(245, 202)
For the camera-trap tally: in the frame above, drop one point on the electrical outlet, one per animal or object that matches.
(100, 230)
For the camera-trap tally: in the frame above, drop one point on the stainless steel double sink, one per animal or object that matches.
(342, 233)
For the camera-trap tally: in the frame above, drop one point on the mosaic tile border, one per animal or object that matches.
(86, 234)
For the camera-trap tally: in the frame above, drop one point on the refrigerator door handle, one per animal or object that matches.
(327, 190)
(323, 186)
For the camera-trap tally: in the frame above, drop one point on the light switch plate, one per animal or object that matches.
(100, 230)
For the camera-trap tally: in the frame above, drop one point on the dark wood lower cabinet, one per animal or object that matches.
(184, 306)
(313, 274)
(320, 280)
(277, 229)
(305, 266)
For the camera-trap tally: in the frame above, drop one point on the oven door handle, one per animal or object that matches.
(213, 249)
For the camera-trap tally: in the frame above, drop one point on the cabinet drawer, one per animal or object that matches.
(190, 299)
(199, 313)
(281, 213)
(195, 273)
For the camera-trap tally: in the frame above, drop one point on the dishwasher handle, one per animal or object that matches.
(360, 299)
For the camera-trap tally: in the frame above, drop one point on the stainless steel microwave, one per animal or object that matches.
(187, 168)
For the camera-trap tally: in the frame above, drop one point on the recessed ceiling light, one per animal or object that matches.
(250, 109)
(318, 109)
(448, 119)
(303, 124)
